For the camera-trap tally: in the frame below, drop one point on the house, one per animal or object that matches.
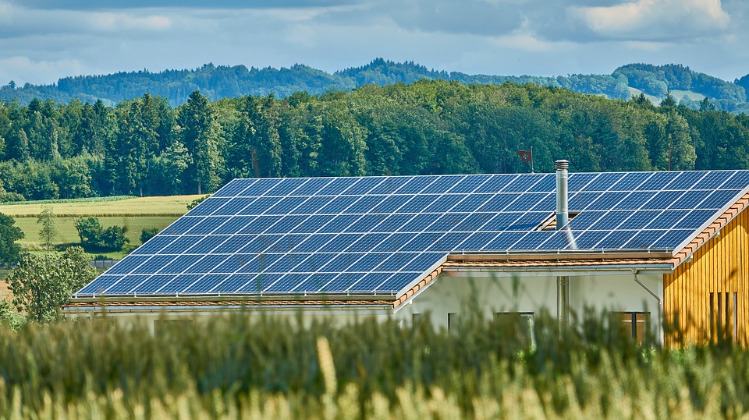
(648, 245)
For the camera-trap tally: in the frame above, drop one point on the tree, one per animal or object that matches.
(145, 125)
(114, 238)
(167, 169)
(48, 231)
(148, 233)
(89, 230)
(93, 235)
(343, 143)
(40, 289)
(9, 316)
(9, 234)
(201, 135)
(17, 146)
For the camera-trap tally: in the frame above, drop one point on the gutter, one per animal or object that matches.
(218, 308)
(663, 267)
(657, 299)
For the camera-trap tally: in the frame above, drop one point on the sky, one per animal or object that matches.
(44, 40)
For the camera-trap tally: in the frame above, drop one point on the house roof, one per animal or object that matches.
(381, 237)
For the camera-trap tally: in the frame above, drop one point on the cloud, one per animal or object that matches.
(655, 20)
(42, 40)
(478, 17)
(25, 70)
(182, 4)
(21, 22)
(108, 22)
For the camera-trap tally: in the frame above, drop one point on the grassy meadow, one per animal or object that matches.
(223, 367)
(136, 213)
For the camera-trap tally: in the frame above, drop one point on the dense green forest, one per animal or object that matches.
(144, 146)
(217, 82)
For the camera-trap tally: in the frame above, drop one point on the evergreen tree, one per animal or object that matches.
(201, 135)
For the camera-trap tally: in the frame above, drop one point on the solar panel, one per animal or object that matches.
(476, 241)
(370, 282)
(602, 182)
(471, 183)
(578, 181)
(179, 283)
(211, 205)
(443, 184)
(233, 206)
(367, 234)
(153, 284)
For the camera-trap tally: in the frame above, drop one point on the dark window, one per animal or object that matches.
(635, 323)
(452, 321)
(523, 323)
(723, 316)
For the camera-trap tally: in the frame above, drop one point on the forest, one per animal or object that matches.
(217, 82)
(144, 146)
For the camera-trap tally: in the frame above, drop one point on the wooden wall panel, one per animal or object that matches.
(718, 267)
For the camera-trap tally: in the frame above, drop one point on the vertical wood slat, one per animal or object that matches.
(719, 266)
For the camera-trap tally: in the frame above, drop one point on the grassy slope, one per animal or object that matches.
(134, 213)
(139, 206)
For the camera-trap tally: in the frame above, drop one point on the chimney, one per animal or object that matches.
(562, 212)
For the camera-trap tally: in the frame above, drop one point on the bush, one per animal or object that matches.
(89, 230)
(93, 236)
(197, 201)
(148, 233)
(11, 197)
(114, 238)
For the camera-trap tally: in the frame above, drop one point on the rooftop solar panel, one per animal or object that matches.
(367, 234)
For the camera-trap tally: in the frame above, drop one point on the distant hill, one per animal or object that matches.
(687, 86)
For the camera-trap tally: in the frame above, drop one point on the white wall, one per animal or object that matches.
(460, 292)
(339, 316)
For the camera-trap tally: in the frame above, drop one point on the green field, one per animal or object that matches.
(678, 95)
(133, 213)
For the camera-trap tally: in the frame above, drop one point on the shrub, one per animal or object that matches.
(114, 238)
(89, 230)
(148, 233)
(93, 236)
(197, 201)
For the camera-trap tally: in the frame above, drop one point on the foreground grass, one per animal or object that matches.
(276, 368)
(134, 213)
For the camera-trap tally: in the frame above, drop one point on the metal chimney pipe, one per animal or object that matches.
(562, 211)
(563, 282)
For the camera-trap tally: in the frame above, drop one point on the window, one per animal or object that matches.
(635, 323)
(723, 315)
(452, 321)
(524, 326)
(162, 326)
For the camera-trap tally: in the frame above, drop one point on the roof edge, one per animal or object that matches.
(553, 256)
(236, 303)
(233, 299)
(711, 230)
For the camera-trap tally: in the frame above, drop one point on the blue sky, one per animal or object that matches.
(43, 40)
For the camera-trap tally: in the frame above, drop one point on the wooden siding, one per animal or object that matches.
(699, 296)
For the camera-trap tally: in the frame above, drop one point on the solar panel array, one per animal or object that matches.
(380, 235)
